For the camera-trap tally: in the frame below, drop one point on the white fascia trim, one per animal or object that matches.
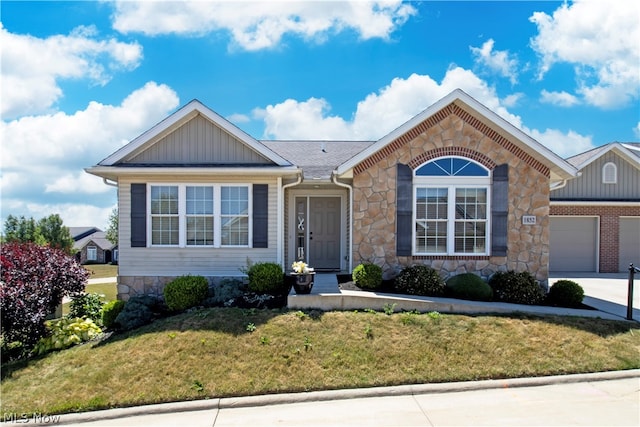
(461, 96)
(183, 115)
(623, 151)
(592, 203)
(113, 171)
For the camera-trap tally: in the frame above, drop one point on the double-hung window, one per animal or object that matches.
(451, 215)
(199, 215)
(92, 253)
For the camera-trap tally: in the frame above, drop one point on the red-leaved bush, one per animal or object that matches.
(33, 281)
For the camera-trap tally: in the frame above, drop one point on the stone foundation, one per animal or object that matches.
(130, 286)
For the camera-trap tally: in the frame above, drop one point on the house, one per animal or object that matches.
(92, 246)
(595, 218)
(457, 188)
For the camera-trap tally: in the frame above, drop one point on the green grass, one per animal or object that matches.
(101, 271)
(233, 352)
(109, 290)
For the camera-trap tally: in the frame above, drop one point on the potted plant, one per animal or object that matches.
(303, 275)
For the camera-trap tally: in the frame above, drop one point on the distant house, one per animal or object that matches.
(595, 218)
(457, 188)
(92, 246)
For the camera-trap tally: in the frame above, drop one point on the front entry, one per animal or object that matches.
(318, 231)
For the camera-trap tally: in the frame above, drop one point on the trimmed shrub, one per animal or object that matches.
(185, 292)
(110, 312)
(227, 290)
(33, 281)
(86, 306)
(65, 333)
(139, 311)
(470, 287)
(266, 278)
(367, 276)
(517, 288)
(420, 280)
(565, 293)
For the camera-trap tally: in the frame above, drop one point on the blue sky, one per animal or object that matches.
(80, 78)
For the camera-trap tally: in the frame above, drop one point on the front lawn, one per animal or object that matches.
(221, 352)
(101, 271)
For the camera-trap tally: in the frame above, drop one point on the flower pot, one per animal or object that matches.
(303, 283)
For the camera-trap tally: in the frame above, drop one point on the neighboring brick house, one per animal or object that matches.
(595, 219)
(92, 246)
(457, 188)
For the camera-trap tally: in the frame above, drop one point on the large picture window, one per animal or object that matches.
(451, 197)
(199, 215)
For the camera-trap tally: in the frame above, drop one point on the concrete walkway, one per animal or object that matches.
(604, 292)
(604, 399)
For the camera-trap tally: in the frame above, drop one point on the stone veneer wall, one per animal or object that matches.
(452, 132)
(129, 286)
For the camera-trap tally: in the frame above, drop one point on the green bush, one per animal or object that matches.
(66, 332)
(420, 280)
(367, 276)
(228, 289)
(565, 293)
(185, 292)
(110, 311)
(139, 311)
(470, 287)
(517, 288)
(266, 278)
(86, 306)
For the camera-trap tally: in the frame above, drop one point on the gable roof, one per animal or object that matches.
(78, 233)
(629, 151)
(99, 239)
(179, 118)
(559, 168)
(317, 159)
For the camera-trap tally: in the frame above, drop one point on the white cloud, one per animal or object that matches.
(513, 99)
(563, 144)
(32, 67)
(239, 118)
(561, 99)
(73, 215)
(496, 61)
(262, 25)
(636, 130)
(43, 156)
(379, 113)
(600, 39)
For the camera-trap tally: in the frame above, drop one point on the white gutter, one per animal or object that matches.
(280, 225)
(334, 178)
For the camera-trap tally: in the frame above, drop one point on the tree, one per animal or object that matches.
(48, 231)
(112, 228)
(55, 233)
(33, 281)
(22, 230)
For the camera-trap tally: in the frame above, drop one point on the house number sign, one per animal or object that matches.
(529, 219)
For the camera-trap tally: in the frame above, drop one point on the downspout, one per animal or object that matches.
(334, 178)
(280, 226)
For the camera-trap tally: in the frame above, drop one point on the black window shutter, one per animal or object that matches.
(260, 215)
(404, 209)
(138, 215)
(499, 210)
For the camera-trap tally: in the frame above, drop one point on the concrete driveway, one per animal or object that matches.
(605, 291)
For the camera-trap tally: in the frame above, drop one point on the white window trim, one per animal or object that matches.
(182, 214)
(93, 249)
(615, 173)
(451, 183)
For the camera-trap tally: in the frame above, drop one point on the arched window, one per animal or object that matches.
(451, 214)
(609, 173)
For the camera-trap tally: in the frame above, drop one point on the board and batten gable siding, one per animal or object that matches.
(175, 261)
(589, 185)
(198, 142)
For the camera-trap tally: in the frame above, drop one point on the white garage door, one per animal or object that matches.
(573, 244)
(629, 243)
